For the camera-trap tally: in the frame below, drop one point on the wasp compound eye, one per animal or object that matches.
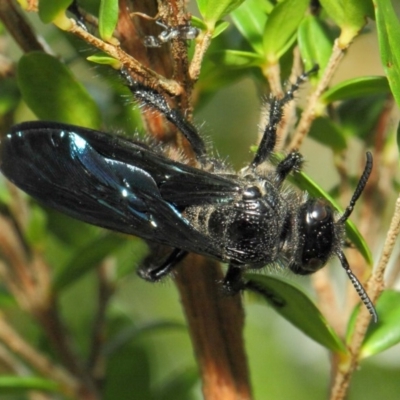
(316, 237)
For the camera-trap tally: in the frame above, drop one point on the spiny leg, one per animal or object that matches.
(292, 162)
(155, 100)
(233, 281)
(268, 140)
(154, 273)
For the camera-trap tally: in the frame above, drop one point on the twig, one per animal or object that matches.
(202, 44)
(376, 286)
(18, 27)
(17, 344)
(151, 78)
(105, 290)
(308, 114)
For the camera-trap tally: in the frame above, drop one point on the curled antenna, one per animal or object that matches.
(359, 189)
(355, 282)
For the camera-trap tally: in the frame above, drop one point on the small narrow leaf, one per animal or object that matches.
(368, 109)
(292, 304)
(250, 19)
(335, 10)
(53, 93)
(212, 10)
(388, 28)
(357, 87)
(108, 18)
(179, 386)
(386, 332)
(350, 16)
(398, 137)
(314, 43)
(105, 59)
(281, 27)
(220, 27)
(237, 59)
(86, 259)
(49, 10)
(132, 333)
(325, 131)
(12, 383)
(37, 227)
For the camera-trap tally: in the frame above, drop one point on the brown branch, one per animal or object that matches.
(18, 27)
(150, 78)
(216, 327)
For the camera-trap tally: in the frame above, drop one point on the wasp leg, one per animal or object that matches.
(292, 162)
(76, 12)
(233, 281)
(155, 100)
(268, 140)
(154, 273)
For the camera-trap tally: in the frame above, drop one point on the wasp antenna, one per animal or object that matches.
(359, 189)
(357, 285)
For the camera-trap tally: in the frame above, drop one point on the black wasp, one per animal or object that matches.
(246, 219)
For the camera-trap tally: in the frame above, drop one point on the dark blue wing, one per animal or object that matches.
(179, 184)
(107, 181)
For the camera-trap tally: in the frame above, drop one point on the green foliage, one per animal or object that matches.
(260, 35)
(53, 93)
(297, 308)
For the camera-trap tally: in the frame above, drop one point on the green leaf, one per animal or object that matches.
(69, 230)
(250, 19)
(198, 23)
(366, 109)
(87, 258)
(328, 133)
(104, 59)
(12, 383)
(213, 77)
(9, 96)
(132, 333)
(49, 10)
(398, 137)
(37, 227)
(6, 299)
(52, 92)
(386, 332)
(212, 10)
(179, 386)
(236, 58)
(357, 87)
(128, 374)
(281, 27)
(388, 28)
(292, 304)
(314, 43)
(304, 182)
(335, 10)
(350, 16)
(220, 27)
(108, 18)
